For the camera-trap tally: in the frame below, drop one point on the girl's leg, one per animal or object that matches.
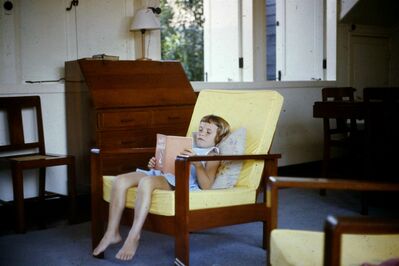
(116, 206)
(143, 201)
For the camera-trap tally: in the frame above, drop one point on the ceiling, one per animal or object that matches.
(383, 13)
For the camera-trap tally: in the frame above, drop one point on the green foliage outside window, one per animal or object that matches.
(182, 35)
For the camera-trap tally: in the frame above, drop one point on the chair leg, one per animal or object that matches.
(325, 165)
(42, 183)
(97, 227)
(182, 256)
(326, 154)
(266, 240)
(72, 191)
(18, 189)
(42, 194)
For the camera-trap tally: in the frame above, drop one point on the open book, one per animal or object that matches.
(167, 148)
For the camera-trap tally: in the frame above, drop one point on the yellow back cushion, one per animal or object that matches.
(255, 110)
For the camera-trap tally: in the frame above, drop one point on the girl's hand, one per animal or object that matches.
(190, 152)
(151, 163)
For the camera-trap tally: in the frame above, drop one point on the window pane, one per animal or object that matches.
(271, 39)
(300, 39)
(182, 35)
(219, 41)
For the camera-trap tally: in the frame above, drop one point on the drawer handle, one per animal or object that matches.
(128, 142)
(127, 120)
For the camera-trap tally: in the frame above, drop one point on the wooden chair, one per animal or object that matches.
(20, 155)
(337, 132)
(382, 131)
(336, 227)
(179, 212)
(288, 247)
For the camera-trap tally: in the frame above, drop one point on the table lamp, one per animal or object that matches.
(144, 20)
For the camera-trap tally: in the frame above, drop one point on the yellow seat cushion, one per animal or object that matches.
(298, 247)
(163, 201)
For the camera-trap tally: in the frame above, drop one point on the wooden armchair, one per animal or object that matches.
(300, 247)
(179, 212)
(336, 228)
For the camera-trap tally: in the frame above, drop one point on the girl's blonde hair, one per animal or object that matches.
(222, 125)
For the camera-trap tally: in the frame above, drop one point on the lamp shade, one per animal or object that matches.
(145, 19)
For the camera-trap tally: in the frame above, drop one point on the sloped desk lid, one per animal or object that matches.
(136, 83)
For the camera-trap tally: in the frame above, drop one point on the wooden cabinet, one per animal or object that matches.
(124, 104)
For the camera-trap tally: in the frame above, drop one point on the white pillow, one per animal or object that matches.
(229, 171)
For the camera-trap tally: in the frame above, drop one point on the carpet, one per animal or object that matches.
(231, 245)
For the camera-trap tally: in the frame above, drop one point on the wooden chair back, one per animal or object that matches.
(337, 132)
(338, 94)
(14, 107)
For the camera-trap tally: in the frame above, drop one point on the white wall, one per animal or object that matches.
(36, 38)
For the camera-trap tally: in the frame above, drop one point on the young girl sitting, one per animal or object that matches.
(212, 129)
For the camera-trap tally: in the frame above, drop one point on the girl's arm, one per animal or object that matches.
(205, 174)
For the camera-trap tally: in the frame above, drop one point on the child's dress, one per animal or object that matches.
(193, 184)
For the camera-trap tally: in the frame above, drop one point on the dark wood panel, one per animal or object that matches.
(136, 83)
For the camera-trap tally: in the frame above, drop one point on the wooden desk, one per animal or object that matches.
(381, 141)
(123, 104)
(358, 110)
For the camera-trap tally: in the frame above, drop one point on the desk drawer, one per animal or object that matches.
(125, 138)
(174, 116)
(123, 119)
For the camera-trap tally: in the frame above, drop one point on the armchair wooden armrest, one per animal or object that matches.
(275, 183)
(182, 164)
(270, 168)
(336, 226)
(120, 151)
(263, 157)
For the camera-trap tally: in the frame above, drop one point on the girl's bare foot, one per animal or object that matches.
(108, 239)
(128, 249)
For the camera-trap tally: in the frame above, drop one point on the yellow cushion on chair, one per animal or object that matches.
(163, 201)
(299, 247)
(258, 103)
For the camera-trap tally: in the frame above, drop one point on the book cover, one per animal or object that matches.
(167, 148)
